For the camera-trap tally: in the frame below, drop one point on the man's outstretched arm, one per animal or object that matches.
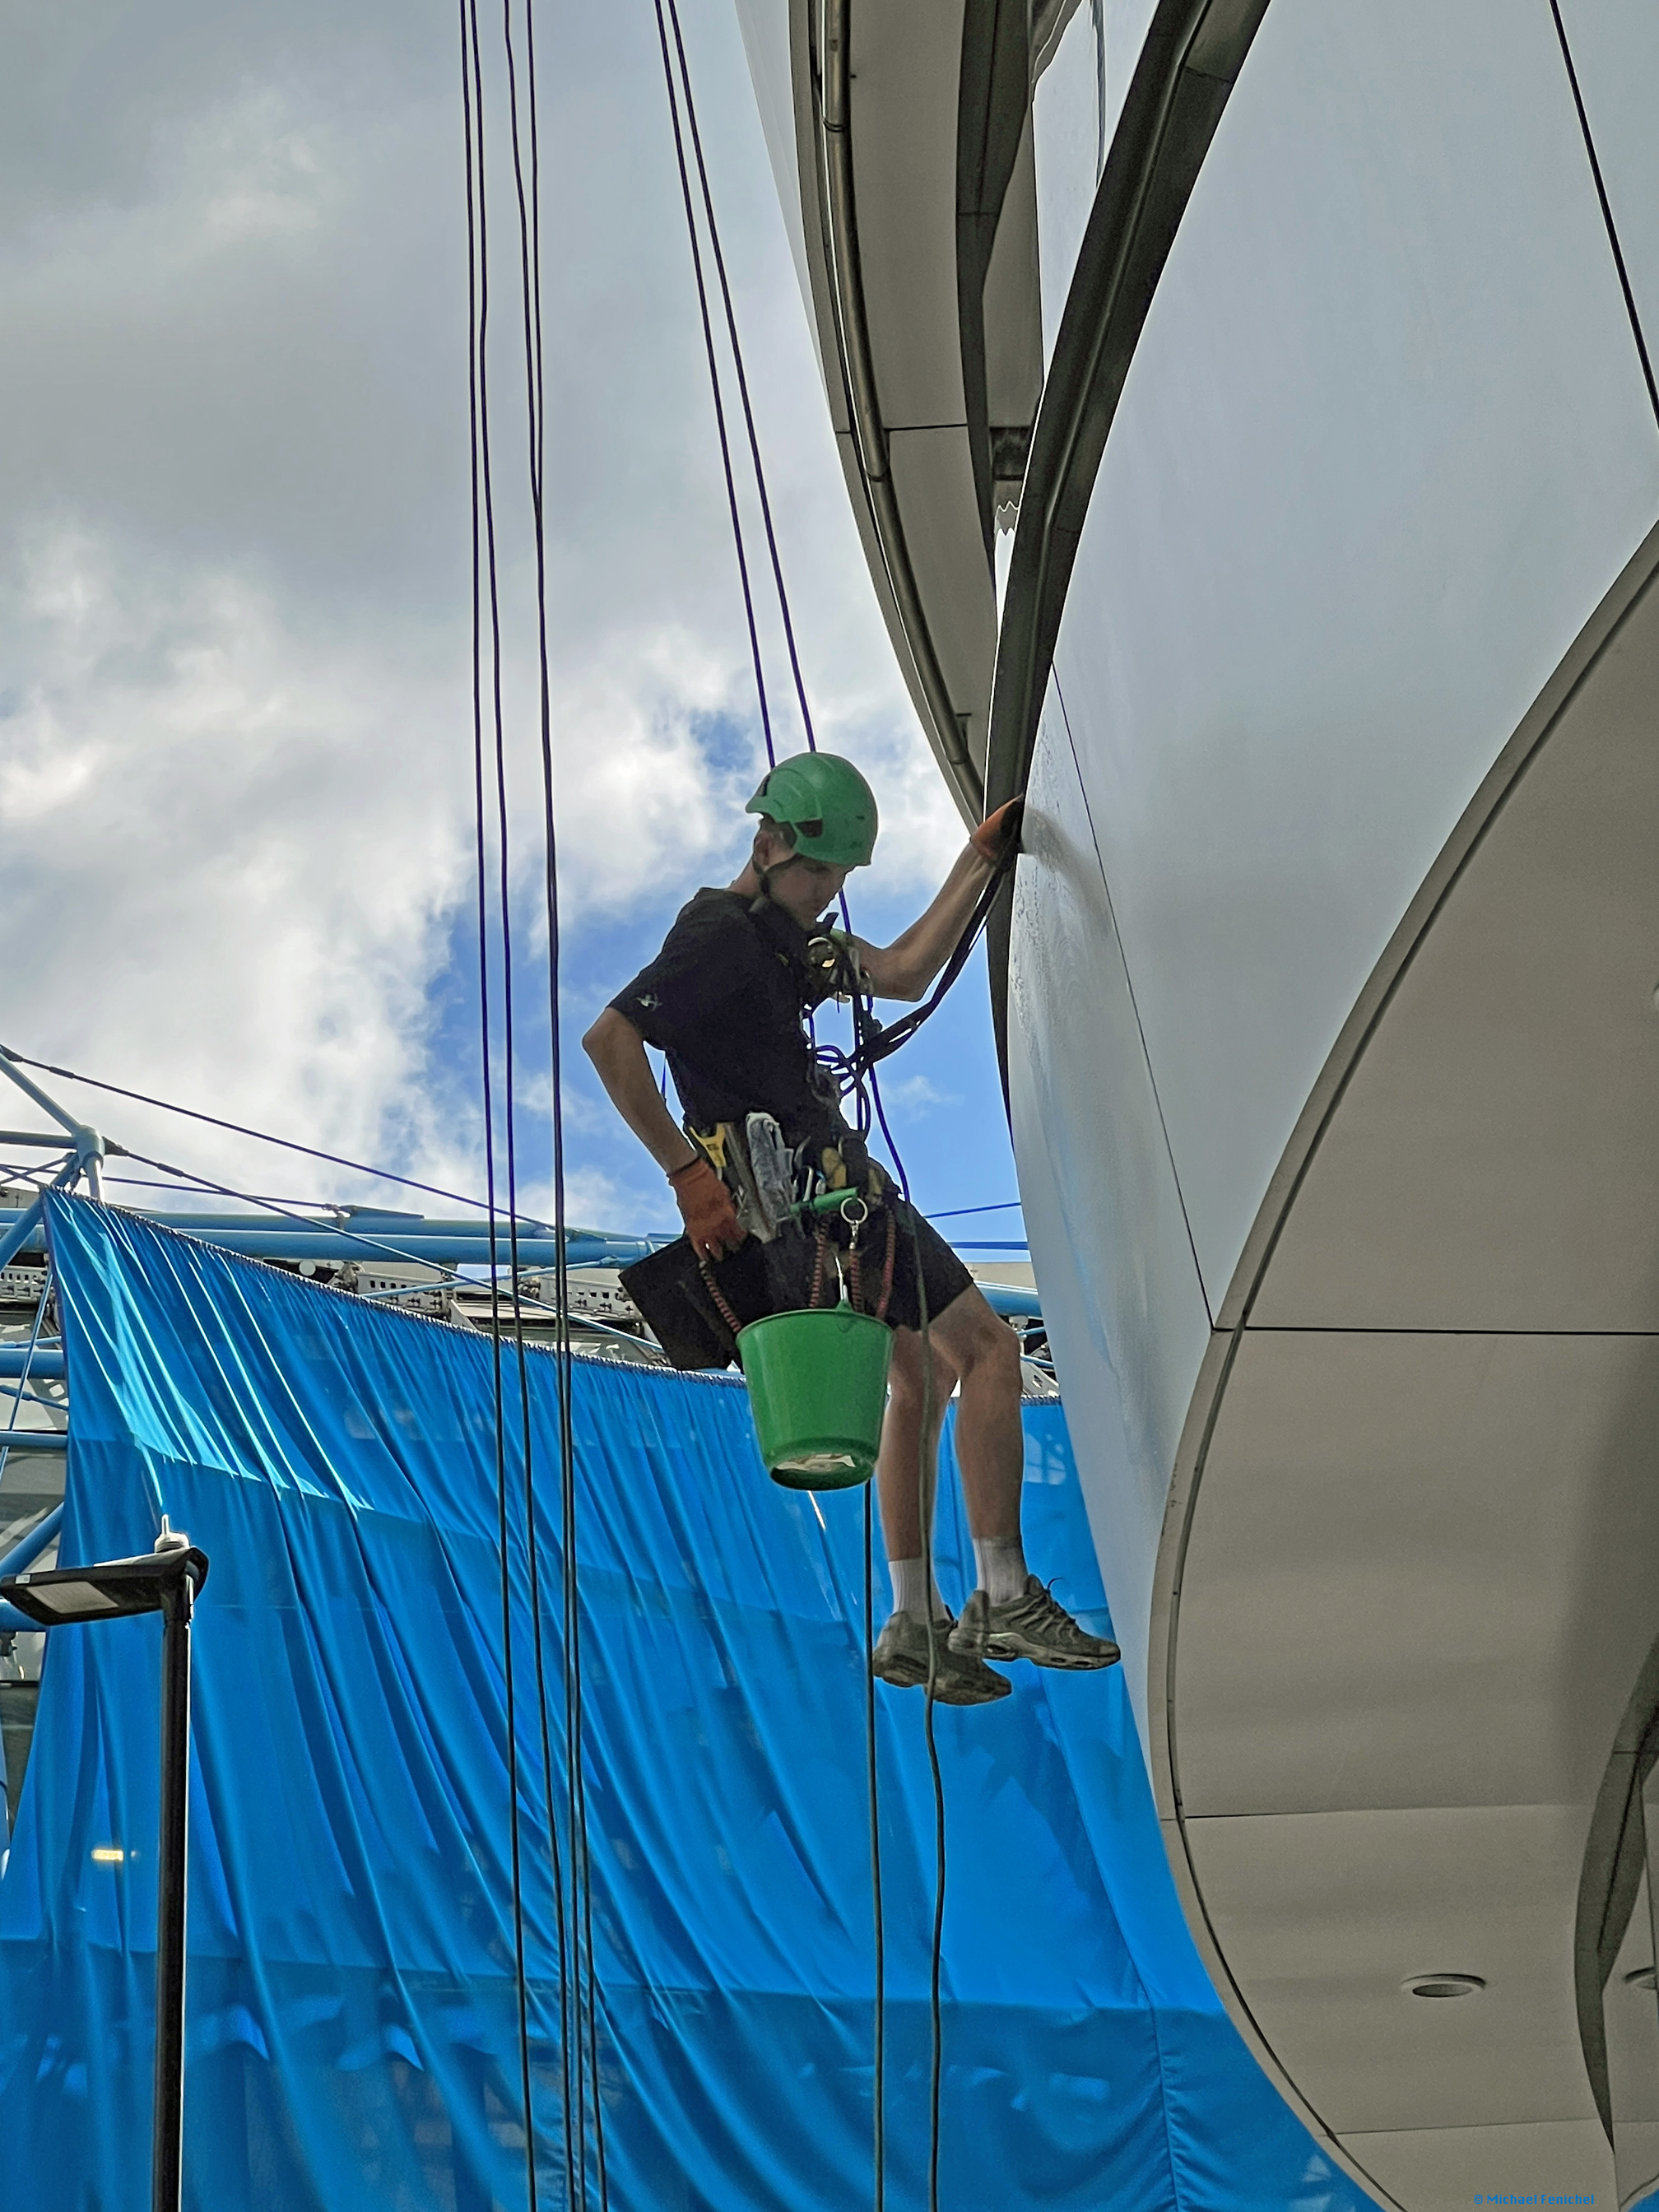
(904, 968)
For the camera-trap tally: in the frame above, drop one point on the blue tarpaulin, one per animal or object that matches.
(353, 2026)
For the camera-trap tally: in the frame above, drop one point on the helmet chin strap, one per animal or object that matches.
(767, 875)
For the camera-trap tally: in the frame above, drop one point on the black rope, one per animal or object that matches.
(192, 1185)
(862, 1063)
(483, 542)
(872, 1044)
(927, 1483)
(274, 1206)
(878, 2113)
(743, 382)
(714, 386)
(1612, 227)
(583, 1990)
(240, 1129)
(875, 1041)
(879, 2117)
(570, 2022)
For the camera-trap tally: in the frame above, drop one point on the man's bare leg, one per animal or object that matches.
(1010, 1614)
(900, 1464)
(907, 1472)
(990, 1440)
(967, 1344)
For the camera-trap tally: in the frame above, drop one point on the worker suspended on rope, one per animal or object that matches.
(725, 1001)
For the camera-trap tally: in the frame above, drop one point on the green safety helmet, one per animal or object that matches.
(826, 802)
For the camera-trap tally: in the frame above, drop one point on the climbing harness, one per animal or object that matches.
(877, 1042)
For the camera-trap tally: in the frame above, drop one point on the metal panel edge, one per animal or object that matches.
(1530, 735)
(1598, 634)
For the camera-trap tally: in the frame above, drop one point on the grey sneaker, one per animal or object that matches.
(901, 1658)
(1031, 1626)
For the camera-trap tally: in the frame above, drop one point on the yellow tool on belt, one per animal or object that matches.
(837, 1177)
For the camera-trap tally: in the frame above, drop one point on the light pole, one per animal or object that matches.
(164, 1581)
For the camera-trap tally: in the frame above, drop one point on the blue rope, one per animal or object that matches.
(743, 382)
(715, 387)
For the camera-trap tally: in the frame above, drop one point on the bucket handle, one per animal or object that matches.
(841, 1201)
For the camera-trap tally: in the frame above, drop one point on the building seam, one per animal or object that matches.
(1625, 286)
(1135, 1005)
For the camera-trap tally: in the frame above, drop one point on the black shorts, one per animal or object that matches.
(695, 1313)
(943, 1277)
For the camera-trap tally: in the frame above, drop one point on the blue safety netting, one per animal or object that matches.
(353, 2020)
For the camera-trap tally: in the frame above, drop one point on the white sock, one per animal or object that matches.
(1001, 1562)
(910, 1583)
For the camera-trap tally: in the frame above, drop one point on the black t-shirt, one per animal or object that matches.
(724, 999)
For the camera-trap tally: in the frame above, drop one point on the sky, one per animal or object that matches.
(235, 675)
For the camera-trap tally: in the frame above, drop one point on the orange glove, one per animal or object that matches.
(705, 1204)
(997, 838)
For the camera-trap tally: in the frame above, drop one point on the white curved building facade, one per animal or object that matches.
(1327, 646)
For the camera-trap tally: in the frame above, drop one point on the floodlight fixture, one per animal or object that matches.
(60, 1597)
(164, 1581)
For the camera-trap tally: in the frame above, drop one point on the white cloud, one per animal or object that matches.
(914, 1094)
(235, 693)
(215, 887)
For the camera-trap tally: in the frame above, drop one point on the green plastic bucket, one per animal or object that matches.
(817, 1384)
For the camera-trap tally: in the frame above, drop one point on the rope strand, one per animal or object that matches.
(583, 1983)
(571, 2037)
(743, 382)
(241, 1129)
(927, 1471)
(879, 2117)
(715, 387)
(483, 541)
(860, 1068)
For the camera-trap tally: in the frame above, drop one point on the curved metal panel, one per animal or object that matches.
(1611, 1880)
(1184, 73)
(1317, 588)
(1189, 58)
(1411, 1213)
(1083, 75)
(1124, 25)
(764, 25)
(833, 74)
(1128, 1324)
(1406, 1582)
(1068, 117)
